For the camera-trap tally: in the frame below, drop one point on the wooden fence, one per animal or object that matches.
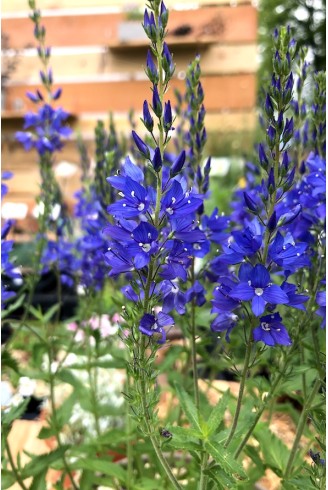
(98, 58)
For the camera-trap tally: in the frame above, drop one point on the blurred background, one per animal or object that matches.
(98, 58)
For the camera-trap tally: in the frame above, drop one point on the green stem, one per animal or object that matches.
(19, 479)
(193, 341)
(129, 448)
(302, 358)
(150, 431)
(273, 197)
(203, 478)
(55, 421)
(300, 428)
(261, 410)
(249, 346)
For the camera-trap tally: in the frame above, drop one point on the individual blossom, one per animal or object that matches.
(271, 331)
(258, 289)
(151, 324)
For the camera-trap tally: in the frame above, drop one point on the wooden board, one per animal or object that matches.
(13, 6)
(67, 63)
(223, 24)
(234, 92)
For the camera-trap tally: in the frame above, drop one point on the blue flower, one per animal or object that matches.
(287, 254)
(135, 199)
(173, 297)
(177, 203)
(271, 331)
(150, 325)
(197, 293)
(259, 289)
(225, 321)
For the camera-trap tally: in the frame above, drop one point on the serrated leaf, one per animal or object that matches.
(275, 453)
(224, 458)
(221, 477)
(103, 466)
(188, 407)
(184, 438)
(217, 414)
(42, 462)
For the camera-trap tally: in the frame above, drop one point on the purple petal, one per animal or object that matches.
(258, 305)
(275, 295)
(260, 276)
(242, 292)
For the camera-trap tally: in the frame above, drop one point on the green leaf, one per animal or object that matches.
(39, 481)
(7, 361)
(217, 414)
(275, 453)
(42, 462)
(221, 477)
(50, 313)
(184, 438)
(68, 377)
(103, 466)
(188, 407)
(14, 413)
(7, 479)
(37, 313)
(224, 458)
(11, 308)
(86, 480)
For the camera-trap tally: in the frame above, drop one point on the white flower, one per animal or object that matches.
(26, 386)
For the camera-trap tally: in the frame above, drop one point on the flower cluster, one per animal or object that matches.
(275, 219)
(8, 269)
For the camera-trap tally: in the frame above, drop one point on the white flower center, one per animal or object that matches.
(145, 246)
(141, 206)
(258, 291)
(265, 326)
(169, 210)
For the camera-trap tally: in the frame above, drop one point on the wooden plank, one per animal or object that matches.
(14, 6)
(221, 92)
(223, 24)
(68, 63)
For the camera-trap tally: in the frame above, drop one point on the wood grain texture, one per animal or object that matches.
(68, 63)
(223, 24)
(221, 92)
(14, 6)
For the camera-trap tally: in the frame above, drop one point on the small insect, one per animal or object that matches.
(165, 433)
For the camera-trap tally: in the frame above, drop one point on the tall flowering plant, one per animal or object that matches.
(243, 292)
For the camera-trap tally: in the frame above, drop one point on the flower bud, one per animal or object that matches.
(178, 164)
(287, 218)
(271, 181)
(164, 15)
(151, 69)
(157, 104)
(272, 222)
(269, 109)
(147, 118)
(167, 116)
(250, 203)
(142, 147)
(57, 94)
(157, 160)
